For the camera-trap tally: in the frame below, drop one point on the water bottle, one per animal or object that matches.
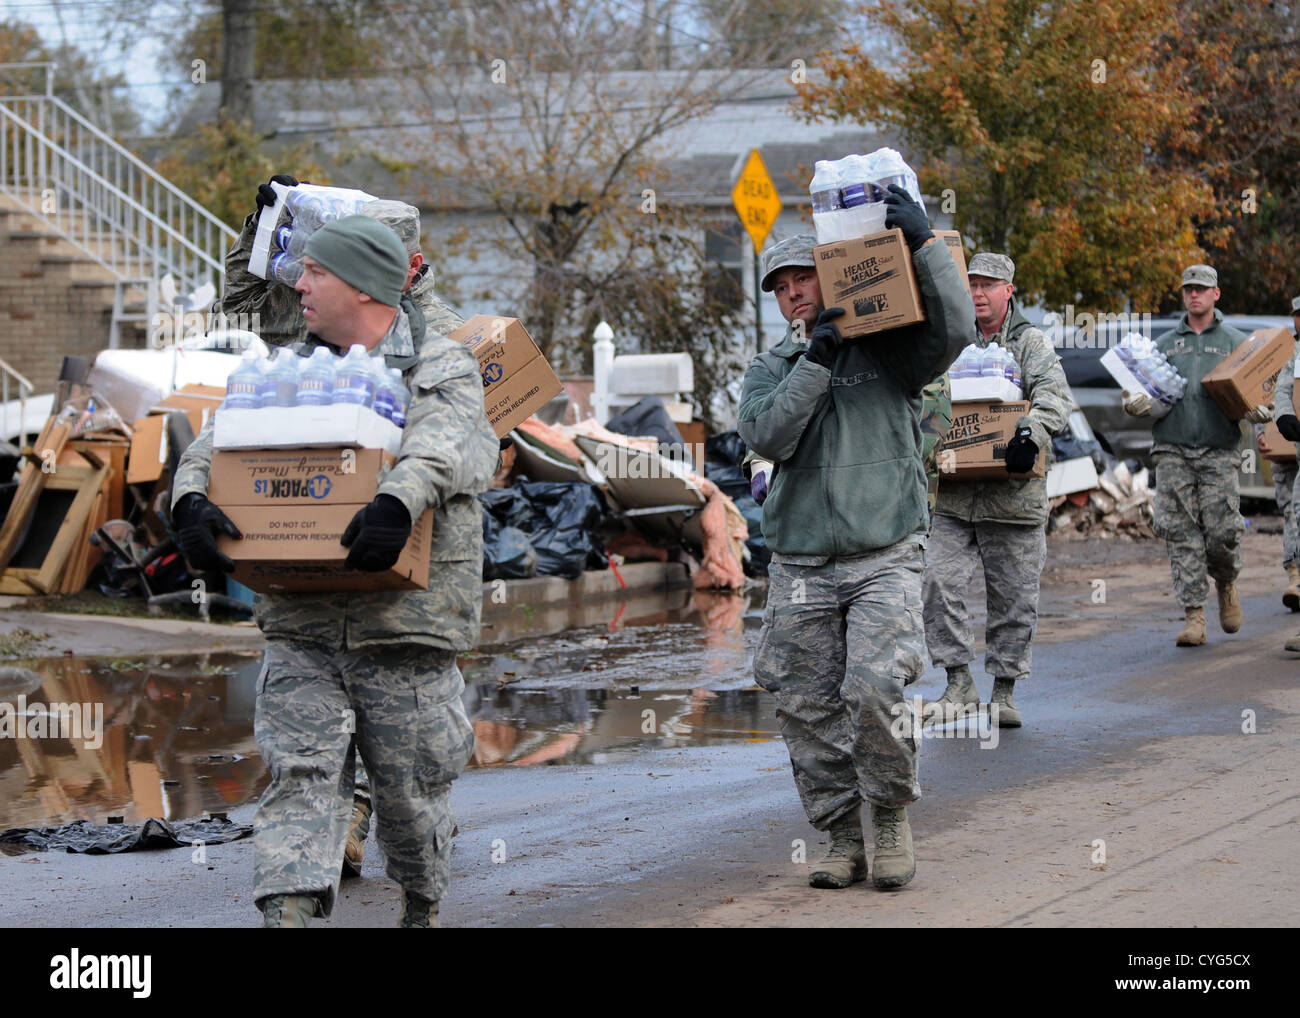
(285, 268)
(244, 384)
(991, 365)
(353, 382)
(316, 379)
(282, 380)
(401, 397)
(826, 200)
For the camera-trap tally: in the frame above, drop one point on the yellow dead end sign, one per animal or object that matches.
(755, 199)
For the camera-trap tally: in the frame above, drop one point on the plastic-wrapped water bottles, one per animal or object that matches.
(244, 384)
(991, 367)
(353, 381)
(282, 380)
(826, 199)
(316, 379)
(861, 183)
(1142, 357)
(392, 397)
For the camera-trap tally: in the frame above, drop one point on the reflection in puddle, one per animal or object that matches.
(176, 739)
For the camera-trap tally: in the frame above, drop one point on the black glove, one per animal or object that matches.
(197, 523)
(1021, 453)
(1290, 427)
(377, 535)
(906, 214)
(825, 342)
(266, 193)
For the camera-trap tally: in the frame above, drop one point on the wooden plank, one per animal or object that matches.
(86, 556)
(73, 524)
(49, 444)
(14, 581)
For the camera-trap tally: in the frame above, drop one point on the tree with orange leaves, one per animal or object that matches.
(1034, 123)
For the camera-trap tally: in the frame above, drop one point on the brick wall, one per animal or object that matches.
(52, 302)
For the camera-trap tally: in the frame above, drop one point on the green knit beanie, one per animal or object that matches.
(363, 253)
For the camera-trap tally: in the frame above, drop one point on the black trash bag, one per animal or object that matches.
(759, 553)
(726, 448)
(105, 839)
(650, 417)
(507, 552)
(561, 518)
(731, 480)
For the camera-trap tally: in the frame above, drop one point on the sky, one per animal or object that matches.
(81, 27)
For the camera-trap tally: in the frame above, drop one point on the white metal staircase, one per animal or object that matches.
(59, 167)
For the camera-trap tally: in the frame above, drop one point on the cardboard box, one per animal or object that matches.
(517, 380)
(331, 426)
(872, 279)
(976, 444)
(1069, 476)
(292, 506)
(1276, 447)
(149, 434)
(1246, 377)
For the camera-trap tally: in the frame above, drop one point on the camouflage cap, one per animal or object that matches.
(1200, 275)
(796, 250)
(403, 219)
(992, 266)
(1295, 305)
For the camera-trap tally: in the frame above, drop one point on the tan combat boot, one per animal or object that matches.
(895, 863)
(1291, 596)
(358, 831)
(1007, 715)
(1193, 634)
(846, 862)
(288, 911)
(961, 692)
(417, 913)
(1229, 606)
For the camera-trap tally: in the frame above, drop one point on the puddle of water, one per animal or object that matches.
(172, 737)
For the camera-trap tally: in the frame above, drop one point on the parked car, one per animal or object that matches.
(1098, 395)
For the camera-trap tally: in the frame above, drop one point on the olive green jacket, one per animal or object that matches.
(848, 476)
(1196, 419)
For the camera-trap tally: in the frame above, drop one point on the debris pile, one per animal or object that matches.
(1123, 505)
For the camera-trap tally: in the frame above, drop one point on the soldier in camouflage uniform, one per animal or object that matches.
(373, 673)
(846, 520)
(999, 523)
(936, 419)
(280, 323)
(1198, 500)
(1285, 476)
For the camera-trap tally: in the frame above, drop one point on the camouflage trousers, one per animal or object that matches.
(839, 642)
(1284, 478)
(1197, 513)
(399, 706)
(1013, 557)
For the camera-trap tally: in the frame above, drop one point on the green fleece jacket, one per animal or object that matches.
(848, 477)
(1196, 419)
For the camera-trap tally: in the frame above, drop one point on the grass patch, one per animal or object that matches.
(19, 643)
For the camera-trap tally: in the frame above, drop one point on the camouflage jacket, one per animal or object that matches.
(447, 456)
(848, 476)
(277, 306)
(1282, 392)
(1050, 403)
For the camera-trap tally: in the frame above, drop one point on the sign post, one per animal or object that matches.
(758, 205)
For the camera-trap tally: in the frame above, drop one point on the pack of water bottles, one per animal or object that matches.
(279, 243)
(1137, 364)
(985, 374)
(848, 194)
(321, 400)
